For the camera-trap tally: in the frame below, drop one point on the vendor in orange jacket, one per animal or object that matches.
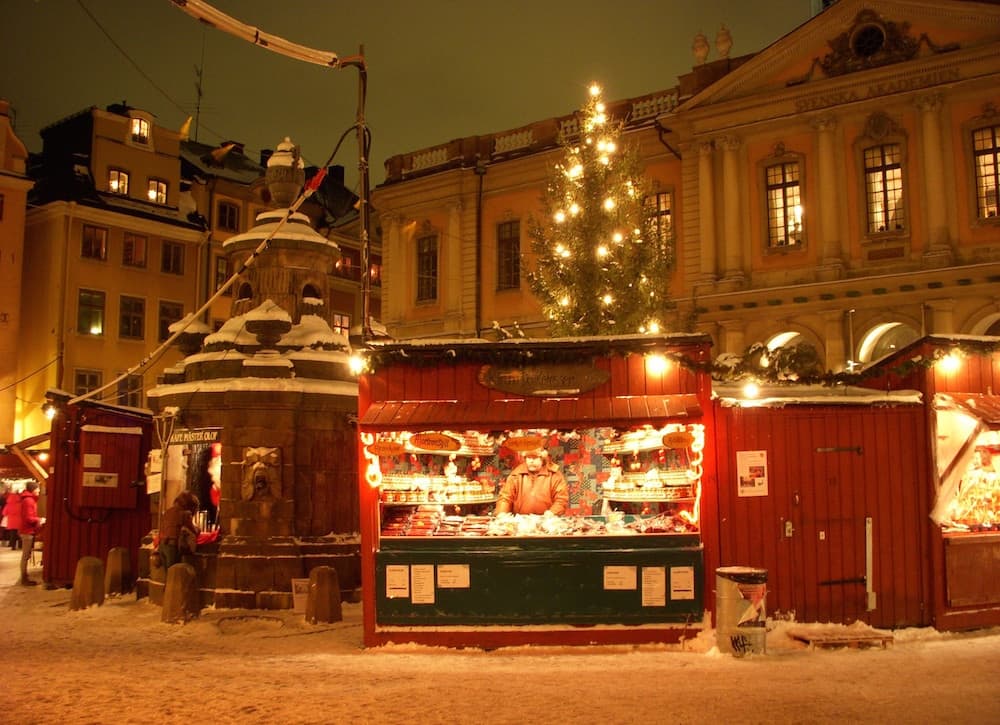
(535, 486)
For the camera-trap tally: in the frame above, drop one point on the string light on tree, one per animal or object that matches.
(602, 268)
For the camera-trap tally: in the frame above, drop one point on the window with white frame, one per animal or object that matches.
(84, 381)
(883, 166)
(157, 191)
(427, 268)
(129, 391)
(118, 182)
(509, 255)
(986, 148)
(341, 323)
(94, 243)
(784, 204)
(132, 318)
(90, 312)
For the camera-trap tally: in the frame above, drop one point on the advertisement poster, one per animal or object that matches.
(751, 467)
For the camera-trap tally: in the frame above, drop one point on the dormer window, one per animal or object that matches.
(118, 182)
(140, 130)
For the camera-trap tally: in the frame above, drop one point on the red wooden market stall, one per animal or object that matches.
(821, 488)
(96, 489)
(958, 378)
(627, 420)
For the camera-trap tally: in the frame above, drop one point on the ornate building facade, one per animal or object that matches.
(837, 188)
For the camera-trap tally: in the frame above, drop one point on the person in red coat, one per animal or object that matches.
(12, 510)
(30, 523)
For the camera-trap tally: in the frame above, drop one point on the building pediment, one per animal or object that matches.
(857, 37)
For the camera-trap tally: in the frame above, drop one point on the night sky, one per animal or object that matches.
(437, 69)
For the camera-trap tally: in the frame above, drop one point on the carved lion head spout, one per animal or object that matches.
(261, 473)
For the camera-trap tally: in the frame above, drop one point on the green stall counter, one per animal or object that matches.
(575, 580)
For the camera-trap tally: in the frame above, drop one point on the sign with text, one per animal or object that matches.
(543, 380)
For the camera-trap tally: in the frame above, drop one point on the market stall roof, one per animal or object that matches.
(983, 406)
(416, 415)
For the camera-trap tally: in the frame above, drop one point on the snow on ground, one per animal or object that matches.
(118, 663)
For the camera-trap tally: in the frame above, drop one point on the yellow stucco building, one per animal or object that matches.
(837, 188)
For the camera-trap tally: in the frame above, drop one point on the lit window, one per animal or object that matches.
(129, 391)
(987, 158)
(118, 182)
(132, 318)
(228, 217)
(85, 381)
(376, 273)
(90, 312)
(784, 205)
(427, 268)
(140, 130)
(95, 243)
(157, 192)
(341, 324)
(661, 208)
(509, 255)
(172, 261)
(134, 250)
(170, 312)
(884, 188)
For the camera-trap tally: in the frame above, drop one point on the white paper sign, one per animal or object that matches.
(397, 581)
(453, 576)
(682, 582)
(300, 595)
(91, 460)
(654, 586)
(619, 577)
(751, 468)
(422, 580)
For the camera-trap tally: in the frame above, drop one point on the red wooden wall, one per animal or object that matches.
(118, 517)
(829, 468)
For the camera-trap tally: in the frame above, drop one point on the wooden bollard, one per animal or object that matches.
(323, 603)
(88, 583)
(118, 573)
(181, 596)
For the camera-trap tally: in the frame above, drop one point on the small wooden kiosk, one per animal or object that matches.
(959, 379)
(442, 423)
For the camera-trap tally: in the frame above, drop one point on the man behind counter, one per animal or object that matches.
(536, 486)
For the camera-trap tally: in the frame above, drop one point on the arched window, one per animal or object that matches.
(311, 291)
(884, 339)
(246, 292)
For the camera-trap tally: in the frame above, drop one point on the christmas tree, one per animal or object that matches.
(602, 263)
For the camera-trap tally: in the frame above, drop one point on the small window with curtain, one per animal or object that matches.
(508, 255)
(427, 268)
(157, 191)
(140, 130)
(118, 182)
(134, 250)
(661, 209)
(341, 323)
(95, 243)
(986, 148)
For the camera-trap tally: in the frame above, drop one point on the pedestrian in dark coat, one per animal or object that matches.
(12, 510)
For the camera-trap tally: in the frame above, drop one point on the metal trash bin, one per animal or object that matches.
(740, 611)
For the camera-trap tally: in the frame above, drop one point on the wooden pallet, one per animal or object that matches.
(854, 640)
